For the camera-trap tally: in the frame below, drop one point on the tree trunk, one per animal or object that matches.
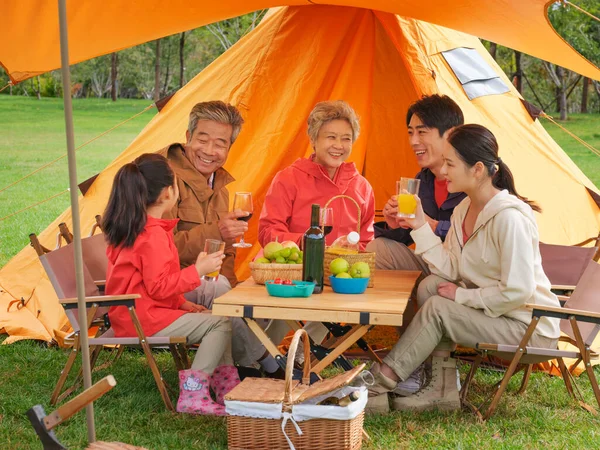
(113, 76)
(518, 73)
(157, 72)
(36, 88)
(168, 71)
(584, 94)
(561, 93)
(493, 48)
(181, 66)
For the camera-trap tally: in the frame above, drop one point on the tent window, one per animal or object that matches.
(476, 76)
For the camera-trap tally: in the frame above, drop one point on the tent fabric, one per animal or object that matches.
(29, 42)
(378, 62)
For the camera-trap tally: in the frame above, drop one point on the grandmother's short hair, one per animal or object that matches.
(217, 111)
(324, 112)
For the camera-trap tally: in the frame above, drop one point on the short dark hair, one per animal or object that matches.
(436, 111)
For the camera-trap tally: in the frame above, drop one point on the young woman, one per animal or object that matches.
(143, 260)
(482, 275)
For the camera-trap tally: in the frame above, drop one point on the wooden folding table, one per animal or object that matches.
(383, 304)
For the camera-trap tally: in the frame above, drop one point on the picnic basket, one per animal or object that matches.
(263, 272)
(368, 257)
(275, 423)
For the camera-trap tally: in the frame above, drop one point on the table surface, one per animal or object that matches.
(389, 295)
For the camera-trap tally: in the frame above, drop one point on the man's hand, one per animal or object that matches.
(390, 211)
(192, 307)
(447, 290)
(230, 227)
(432, 222)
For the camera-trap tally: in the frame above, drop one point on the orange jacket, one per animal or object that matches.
(149, 268)
(286, 211)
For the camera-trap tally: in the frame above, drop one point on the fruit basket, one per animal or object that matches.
(296, 289)
(263, 272)
(348, 285)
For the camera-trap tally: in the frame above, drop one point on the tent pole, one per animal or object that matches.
(66, 81)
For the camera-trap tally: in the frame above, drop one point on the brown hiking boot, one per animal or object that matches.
(378, 402)
(441, 393)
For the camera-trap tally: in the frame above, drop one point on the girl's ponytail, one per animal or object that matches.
(137, 185)
(502, 178)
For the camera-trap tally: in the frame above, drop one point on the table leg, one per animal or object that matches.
(263, 337)
(343, 344)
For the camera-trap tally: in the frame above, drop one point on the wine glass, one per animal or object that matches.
(326, 220)
(243, 201)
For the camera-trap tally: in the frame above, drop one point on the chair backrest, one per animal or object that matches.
(94, 256)
(60, 267)
(564, 264)
(586, 296)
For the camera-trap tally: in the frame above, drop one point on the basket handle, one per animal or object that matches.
(291, 357)
(353, 201)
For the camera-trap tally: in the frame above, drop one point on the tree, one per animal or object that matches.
(181, 59)
(113, 76)
(157, 72)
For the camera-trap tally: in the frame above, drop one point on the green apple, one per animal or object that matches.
(262, 260)
(360, 270)
(280, 260)
(339, 265)
(343, 275)
(286, 252)
(293, 257)
(271, 248)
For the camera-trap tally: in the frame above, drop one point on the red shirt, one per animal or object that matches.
(440, 188)
(149, 268)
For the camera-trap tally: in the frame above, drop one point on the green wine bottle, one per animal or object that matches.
(313, 245)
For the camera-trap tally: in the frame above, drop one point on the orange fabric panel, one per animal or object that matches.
(30, 42)
(377, 62)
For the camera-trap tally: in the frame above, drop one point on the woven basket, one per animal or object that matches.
(250, 433)
(264, 272)
(368, 257)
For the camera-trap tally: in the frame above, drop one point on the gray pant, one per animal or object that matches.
(393, 255)
(245, 347)
(213, 333)
(440, 323)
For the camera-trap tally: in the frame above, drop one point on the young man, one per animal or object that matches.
(429, 121)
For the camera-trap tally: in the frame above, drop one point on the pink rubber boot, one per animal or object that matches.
(194, 395)
(222, 380)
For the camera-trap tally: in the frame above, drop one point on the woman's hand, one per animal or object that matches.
(420, 217)
(192, 307)
(206, 264)
(447, 290)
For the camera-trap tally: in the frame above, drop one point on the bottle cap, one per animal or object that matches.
(353, 237)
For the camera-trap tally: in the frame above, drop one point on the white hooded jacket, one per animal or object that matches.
(500, 264)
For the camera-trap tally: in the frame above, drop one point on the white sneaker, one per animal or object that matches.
(412, 384)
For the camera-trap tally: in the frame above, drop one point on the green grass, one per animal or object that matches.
(544, 417)
(32, 133)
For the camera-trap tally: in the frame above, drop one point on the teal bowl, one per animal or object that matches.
(348, 285)
(297, 289)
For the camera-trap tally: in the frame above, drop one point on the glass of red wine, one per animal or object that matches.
(326, 220)
(243, 201)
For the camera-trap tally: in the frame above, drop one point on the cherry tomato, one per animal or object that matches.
(287, 282)
(277, 281)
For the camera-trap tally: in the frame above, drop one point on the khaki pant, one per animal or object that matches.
(245, 347)
(440, 323)
(393, 255)
(213, 333)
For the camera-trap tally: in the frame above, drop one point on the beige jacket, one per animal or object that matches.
(500, 266)
(199, 209)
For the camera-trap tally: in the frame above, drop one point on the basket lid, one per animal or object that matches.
(262, 390)
(326, 385)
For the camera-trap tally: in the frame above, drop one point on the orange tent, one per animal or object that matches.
(379, 63)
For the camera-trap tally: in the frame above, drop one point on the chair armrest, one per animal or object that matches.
(563, 287)
(102, 300)
(563, 313)
(99, 282)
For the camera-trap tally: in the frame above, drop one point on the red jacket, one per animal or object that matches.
(149, 268)
(286, 212)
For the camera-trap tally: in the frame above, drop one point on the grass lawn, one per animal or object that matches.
(32, 133)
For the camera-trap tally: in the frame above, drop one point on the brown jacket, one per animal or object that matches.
(199, 208)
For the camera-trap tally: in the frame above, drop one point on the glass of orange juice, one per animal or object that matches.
(406, 189)
(212, 246)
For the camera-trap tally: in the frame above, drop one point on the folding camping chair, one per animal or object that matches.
(60, 268)
(565, 264)
(580, 323)
(44, 424)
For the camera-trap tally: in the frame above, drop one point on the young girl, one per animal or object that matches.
(482, 275)
(143, 260)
